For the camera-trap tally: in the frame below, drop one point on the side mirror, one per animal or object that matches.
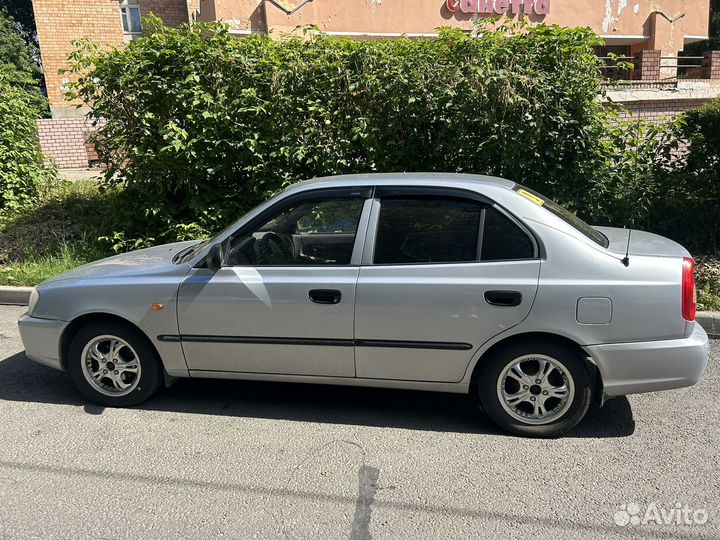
(214, 258)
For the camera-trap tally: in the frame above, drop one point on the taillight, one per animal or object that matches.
(689, 296)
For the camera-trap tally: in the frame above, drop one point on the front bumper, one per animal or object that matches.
(41, 339)
(648, 366)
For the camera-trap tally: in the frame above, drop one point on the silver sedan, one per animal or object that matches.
(438, 282)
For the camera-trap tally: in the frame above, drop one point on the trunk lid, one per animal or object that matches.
(641, 243)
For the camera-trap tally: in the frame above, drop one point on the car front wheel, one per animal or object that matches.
(537, 389)
(113, 364)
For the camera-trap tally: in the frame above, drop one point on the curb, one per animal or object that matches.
(20, 296)
(15, 296)
(710, 321)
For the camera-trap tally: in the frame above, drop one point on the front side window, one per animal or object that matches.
(317, 232)
(130, 16)
(427, 230)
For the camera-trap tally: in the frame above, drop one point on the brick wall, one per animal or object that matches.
(63, 141)
(711, 65)
(61, 21)
(172, 12)
(647, 65)
(659, 109)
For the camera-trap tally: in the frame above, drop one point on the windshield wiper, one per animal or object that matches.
(181, 255)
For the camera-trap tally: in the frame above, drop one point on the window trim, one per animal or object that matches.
(446, 192)
(128, 5)
(363, 192)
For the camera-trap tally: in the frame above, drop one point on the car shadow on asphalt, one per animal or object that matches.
(23, 380)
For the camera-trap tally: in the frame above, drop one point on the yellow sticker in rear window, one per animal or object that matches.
(530, 196)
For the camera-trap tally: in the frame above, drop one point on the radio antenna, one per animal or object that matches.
(626, 259)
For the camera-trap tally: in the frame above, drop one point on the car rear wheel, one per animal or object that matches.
(113, 364)
(535, 388)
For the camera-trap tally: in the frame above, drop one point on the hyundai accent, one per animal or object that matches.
(436, 282)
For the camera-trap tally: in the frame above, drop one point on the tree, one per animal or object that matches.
(15, 52)
(21, 161)
(713, 44)
(21, 11)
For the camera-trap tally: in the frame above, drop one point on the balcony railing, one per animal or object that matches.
(650, 67)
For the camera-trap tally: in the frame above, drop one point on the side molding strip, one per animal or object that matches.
(435, 345)
(194, 338)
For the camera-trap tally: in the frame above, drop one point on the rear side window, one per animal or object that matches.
(502, 239)
(427, 230)
(435, 229)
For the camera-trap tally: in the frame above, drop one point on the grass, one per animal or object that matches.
(60, 233)
(35, 269)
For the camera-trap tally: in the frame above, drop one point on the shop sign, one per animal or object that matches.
(499, 7)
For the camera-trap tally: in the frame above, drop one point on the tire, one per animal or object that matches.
(565, 389)
(126, 375)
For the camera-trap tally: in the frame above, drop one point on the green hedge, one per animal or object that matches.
(204, 124)
(201, 125)
(700, 186)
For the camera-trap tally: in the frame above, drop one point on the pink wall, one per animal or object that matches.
(63, 141)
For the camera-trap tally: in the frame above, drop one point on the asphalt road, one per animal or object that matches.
(217, 459)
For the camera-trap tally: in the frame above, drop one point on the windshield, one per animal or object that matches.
(564, 214)
(190, 252)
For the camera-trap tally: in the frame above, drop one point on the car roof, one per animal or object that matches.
(405, 179)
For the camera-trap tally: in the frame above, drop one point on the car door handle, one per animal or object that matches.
(325, 296)
(503, 298)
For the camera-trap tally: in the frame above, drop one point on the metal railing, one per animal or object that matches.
(672, 68)
(614, 72)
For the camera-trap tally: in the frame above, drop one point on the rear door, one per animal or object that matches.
(443, 271)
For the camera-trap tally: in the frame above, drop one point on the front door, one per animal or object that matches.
(442, 273)
(283, 302)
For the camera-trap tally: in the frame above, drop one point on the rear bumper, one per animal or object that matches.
(648, 366)
(41, 339)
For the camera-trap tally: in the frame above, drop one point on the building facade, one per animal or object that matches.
(628, 26)
(665, 25)
(653, 32)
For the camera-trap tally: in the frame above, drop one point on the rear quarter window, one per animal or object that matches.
(503, 240)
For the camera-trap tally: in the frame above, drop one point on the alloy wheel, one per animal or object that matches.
(535, 389)
(111, 365)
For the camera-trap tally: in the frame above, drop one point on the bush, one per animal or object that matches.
(19, 54)
(698, 202)
(21, 161)
(640, 160)
(707, 277)
(201, 125)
